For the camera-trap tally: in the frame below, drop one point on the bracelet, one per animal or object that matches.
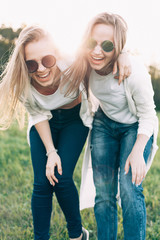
(53, 150)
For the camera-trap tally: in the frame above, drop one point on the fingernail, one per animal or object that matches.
(137, 185)
(133, 183)
(125, 173)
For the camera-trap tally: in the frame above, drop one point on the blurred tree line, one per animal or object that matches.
(8, 37)
(155, 75)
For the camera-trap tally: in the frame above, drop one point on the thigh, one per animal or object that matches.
(105, 157)
(38, 156)
(71, 140)
(127, 142)
(128, 139)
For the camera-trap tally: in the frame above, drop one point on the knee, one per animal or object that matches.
(42, 189)
(129, 192)
(65, 185)
(64, 181)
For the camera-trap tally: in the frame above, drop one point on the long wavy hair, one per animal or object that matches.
(15, 80)
(80, 70)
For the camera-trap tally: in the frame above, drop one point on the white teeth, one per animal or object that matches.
(96, 58)
(43, 76)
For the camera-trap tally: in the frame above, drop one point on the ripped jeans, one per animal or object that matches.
(111, 143)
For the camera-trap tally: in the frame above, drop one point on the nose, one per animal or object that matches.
(41, 68)
(97, 49)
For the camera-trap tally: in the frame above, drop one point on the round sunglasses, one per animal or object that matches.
(47, 61)
(107, 45)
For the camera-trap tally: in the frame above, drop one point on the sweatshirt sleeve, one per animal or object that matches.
(142, 94)
(36, 114)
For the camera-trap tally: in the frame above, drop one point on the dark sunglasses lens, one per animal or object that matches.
(107, 46)
(48, 61)
(91, 43)
(32, 66)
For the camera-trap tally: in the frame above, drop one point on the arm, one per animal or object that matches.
(39, 118)
(44, 132)
(124, 65)
(141, 91)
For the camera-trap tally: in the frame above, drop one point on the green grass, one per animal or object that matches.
(16, 177)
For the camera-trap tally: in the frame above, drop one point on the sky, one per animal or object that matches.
(67, 20)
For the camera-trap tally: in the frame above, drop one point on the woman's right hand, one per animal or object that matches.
(52, 162)
(124, 65)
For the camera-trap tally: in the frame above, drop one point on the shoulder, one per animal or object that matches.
(138, 66)
(139, 73)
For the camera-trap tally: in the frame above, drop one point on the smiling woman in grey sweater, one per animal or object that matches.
(125, 126)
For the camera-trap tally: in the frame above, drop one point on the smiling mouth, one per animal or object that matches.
(97, 58)
(44, 75)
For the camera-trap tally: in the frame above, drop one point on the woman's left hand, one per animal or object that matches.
(124, 66)
(138, 166)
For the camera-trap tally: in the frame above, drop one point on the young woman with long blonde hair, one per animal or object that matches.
(125, 126)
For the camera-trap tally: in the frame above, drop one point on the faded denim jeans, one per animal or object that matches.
(111, 143)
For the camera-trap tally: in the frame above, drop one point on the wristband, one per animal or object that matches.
(53, 150)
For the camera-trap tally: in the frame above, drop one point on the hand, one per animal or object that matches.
(138, 167)
(124, 66)
(53, 161)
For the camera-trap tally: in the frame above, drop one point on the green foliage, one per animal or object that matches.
(16, 178)
(9, 33)
(155, 75)
(7, 40)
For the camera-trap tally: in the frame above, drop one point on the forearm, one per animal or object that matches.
(140, 143)
(53, 160)
(44, 132)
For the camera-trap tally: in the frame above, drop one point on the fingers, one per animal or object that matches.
(59, 167)
(121, 78)
(127, 167)
(138, 175)
(122, 75)
(133, 175)
(141, 173)
(124, 72)
(138, 170)
(115, 68)
(51, 177)
(50, 171)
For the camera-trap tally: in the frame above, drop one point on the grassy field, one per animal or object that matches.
(16, 179)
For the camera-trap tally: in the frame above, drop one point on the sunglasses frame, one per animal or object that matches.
(42, 62)
(94, 42)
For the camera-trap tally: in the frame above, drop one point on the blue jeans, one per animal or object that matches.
(111, 143)
(69, 135)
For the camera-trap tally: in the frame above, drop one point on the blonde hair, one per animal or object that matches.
(15, 80)
(80, 70)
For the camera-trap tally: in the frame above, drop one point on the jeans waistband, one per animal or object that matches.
(61, 115)
(66, 111)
